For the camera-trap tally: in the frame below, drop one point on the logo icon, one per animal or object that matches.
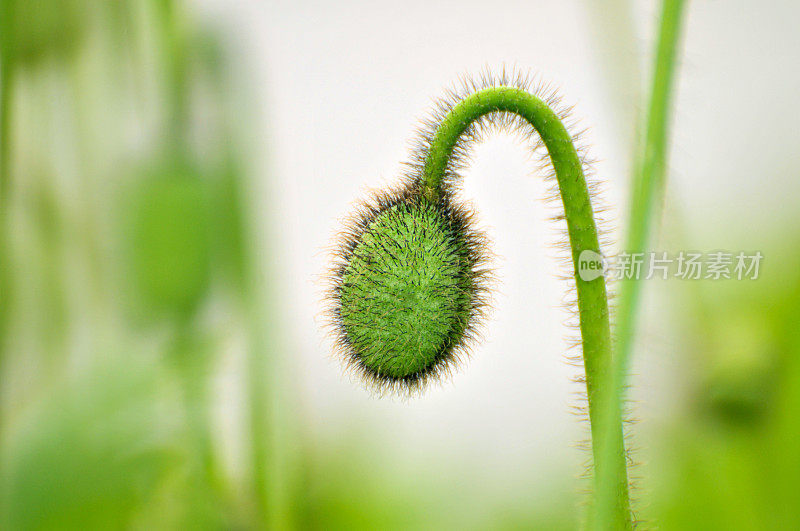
(591, 265)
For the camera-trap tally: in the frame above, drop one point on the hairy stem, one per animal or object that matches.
(592, 296)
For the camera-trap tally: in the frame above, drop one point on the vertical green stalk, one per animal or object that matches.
(258, 411)
(173, 40)
(595, 329)
(267, 444)
(6, 88)
(647, 192)
(193, 368)
(270, 474)
(6, 102)
(650, 169)
(6, 74)
(194, 382)
(267, 404)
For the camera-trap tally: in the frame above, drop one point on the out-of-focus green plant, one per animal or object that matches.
(182, 255)
(729, 458)
(169, 238)
(91, 455)
(343, 485)
(45, 29)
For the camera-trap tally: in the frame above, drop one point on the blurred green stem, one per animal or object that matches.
(6, 88)
(270, 408)
(271, 475)
(647, 193)
(261, 393)
(650, 173)
(82, 119)
(195, 364)
(173, 40)
(6, 78)
(191, 360)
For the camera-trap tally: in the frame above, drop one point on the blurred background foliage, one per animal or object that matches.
(134, 270)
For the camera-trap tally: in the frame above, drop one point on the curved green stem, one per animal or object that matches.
(592, 296)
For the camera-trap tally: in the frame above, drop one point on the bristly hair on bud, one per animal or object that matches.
(408, 287)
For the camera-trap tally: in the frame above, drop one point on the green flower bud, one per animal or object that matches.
(409, 286)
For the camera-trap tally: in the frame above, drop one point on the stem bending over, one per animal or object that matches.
(592, 295)
(406, 286)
